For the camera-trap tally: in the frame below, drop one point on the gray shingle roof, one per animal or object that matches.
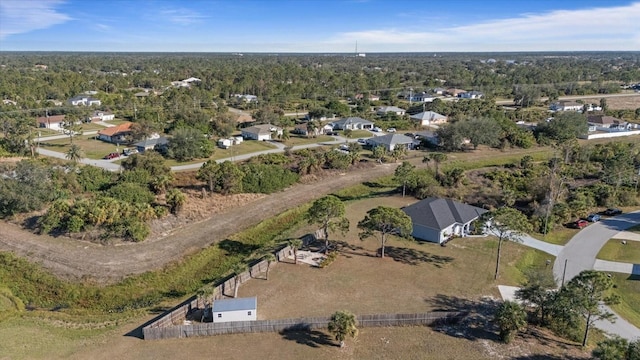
(235, 304)
(391, 139)
(437, 213)
(428, 115)
(351, 120)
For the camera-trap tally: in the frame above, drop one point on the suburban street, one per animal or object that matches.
(580, 254)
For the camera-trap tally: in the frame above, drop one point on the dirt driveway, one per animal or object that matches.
(74, 259)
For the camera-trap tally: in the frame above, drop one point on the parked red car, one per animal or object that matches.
(111, 156)
(580, 224)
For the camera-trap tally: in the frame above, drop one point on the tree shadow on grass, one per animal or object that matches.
(414, 257)
(234, 247)
(543, 337)
(303, 335)
(346, 249)
(477, 324)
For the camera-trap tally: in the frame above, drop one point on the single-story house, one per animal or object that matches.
(246, 97)
(101, 116)
(301, 129)
(437, 220)
(391, 141)
(393, 109)
(151, 144)
(352, 123)
(454, 92)
(261, 132)
(439, 91)
(55, 122)
(566, 106)
(428, 136)
(471, 95)
(117, 134)
(422, 97)
(243, 118)
(428, 118)
(225, 143)
(240, 309)
(607, 123)
(84, 101)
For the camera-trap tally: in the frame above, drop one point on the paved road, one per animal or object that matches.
(105, 164)
(581, 251)
(575, 97)
(580, 254)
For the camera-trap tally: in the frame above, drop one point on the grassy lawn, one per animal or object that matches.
(245, 147)
(614, 250)
(116, 122)
(356, 134)
(92, 127)
(559, 236)
(45, 132)
(93, 149)
(628, 288)
(295, 140)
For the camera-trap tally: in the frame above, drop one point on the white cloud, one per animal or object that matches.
(613, 28)
(20, 16)
(182, 16)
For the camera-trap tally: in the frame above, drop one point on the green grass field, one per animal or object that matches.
(559, 235)
(628, 288)
(296, 140)
(92, 148)
(614, 250)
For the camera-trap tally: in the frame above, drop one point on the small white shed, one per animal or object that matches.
(241, 309)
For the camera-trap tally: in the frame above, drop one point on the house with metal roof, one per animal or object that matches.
(437, 220)
(239, 309)
(428, 118)
(392, 141)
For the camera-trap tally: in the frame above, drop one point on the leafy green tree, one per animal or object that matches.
(511, 318)
(398, 152)
(355, 151)
(535, 291)
(507, 224)
(131, 193)
(93, 178)
(188, 144)
(483, 132)
(329, 213)
(403, 174)
(176, 200)
(588, 290)
(565, 126)
(149, 160)
(614, 348)
(633, 352)
(224, 178)
(385, 221)
(74, 153)
(453, 176)
(379, 153)
(266, 179)
(343, 324)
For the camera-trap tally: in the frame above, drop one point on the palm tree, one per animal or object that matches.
(343, 324)
(175, 199)
(270, 258)
(295, 244)
(238, 269)
(74, 153)
(511, 318)
(438, 158)
(161, 182)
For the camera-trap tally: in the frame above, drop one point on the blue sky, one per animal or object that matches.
(319, 25)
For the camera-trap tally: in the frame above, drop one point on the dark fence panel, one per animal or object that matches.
(300, 324)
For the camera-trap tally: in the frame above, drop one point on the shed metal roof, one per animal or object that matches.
(235, 304)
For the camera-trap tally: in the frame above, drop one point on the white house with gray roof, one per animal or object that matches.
(437, 220)
(392, 141)
(239, 309)
(428, 118)
(393, 109)
(352, 123)
(262, 132)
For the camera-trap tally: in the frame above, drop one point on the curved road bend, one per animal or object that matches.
(580, 254)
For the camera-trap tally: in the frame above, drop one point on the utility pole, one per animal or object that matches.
(564, 272)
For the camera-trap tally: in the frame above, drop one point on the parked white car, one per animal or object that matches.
(376, 129)
(391, 130)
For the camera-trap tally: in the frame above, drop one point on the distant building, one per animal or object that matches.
(55, 122)
(83, 100)
(240, 309)
(566, 106)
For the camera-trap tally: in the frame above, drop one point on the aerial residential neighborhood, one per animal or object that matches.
(191, 179)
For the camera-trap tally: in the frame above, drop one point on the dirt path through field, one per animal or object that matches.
(74, 259)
